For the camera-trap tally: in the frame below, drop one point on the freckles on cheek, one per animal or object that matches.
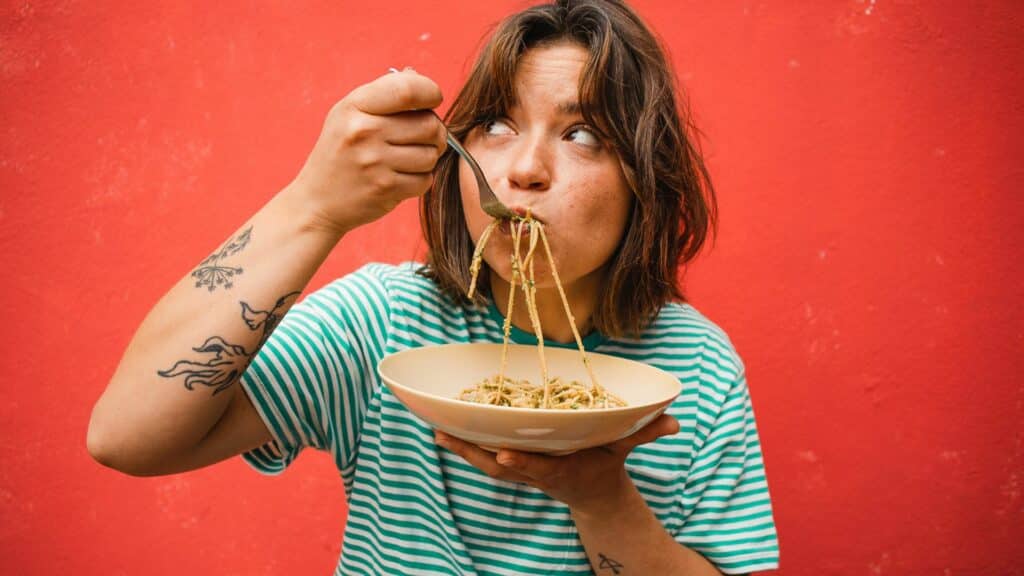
(591, 209)
(601, 217)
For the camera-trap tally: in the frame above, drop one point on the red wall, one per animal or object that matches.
(868, 160)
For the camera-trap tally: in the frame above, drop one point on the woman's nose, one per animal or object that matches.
(531, 165)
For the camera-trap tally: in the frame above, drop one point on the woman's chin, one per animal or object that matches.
(542, 284)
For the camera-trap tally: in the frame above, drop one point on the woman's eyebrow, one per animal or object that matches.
(569, 108)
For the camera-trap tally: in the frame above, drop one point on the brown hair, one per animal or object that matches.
(627, 93)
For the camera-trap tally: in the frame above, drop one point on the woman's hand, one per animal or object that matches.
(586, 480)
(378, 147)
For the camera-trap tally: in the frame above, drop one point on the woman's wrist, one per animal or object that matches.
(620, 499)
(298, 203)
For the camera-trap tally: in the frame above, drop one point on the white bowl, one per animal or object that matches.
(428, 380)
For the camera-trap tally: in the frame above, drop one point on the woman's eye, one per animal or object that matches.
(497, 128)
(585, 136)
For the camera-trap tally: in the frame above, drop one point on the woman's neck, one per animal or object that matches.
(582, 296)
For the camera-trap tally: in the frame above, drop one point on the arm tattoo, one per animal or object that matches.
(609, 564)
(229, 361)
(212, 272)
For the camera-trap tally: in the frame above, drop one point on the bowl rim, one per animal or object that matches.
(668, 399)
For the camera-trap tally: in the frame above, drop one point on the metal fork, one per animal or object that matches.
(488, 201)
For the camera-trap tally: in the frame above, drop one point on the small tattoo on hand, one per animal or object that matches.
(609, 564)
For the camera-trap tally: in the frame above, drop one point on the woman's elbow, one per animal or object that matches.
(106, 448)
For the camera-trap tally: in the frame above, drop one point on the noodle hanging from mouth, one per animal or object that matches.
(555, 393)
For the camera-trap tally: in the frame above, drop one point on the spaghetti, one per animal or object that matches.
(555, 393)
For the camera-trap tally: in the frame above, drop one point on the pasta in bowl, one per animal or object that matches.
(429, 381)
(527, 397)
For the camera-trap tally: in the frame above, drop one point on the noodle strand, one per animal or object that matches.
(553, 392)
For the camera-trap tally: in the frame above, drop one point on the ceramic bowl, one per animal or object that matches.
(429, 379)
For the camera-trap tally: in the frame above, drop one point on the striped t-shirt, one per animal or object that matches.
(415, 508)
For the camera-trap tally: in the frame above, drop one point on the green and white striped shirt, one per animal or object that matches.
(415, 508)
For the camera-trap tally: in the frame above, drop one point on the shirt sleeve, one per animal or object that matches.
(312, 380)
(727, 509)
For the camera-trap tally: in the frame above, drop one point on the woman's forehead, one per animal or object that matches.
(549, 76)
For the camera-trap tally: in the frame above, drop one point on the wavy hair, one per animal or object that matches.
(627, 91)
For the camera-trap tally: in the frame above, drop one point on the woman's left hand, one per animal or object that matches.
(585, 480)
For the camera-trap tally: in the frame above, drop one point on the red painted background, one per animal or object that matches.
(868, 160)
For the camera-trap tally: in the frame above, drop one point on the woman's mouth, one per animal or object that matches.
(505, 227)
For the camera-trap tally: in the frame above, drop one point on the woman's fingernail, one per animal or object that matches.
(506, 459)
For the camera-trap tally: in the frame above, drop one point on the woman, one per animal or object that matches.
(571, 113)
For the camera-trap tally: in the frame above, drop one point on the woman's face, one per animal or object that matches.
(543, 157)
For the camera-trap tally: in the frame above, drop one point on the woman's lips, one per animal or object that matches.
(523, 212)
(505, 227)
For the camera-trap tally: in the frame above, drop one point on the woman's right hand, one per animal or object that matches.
(378, 147)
